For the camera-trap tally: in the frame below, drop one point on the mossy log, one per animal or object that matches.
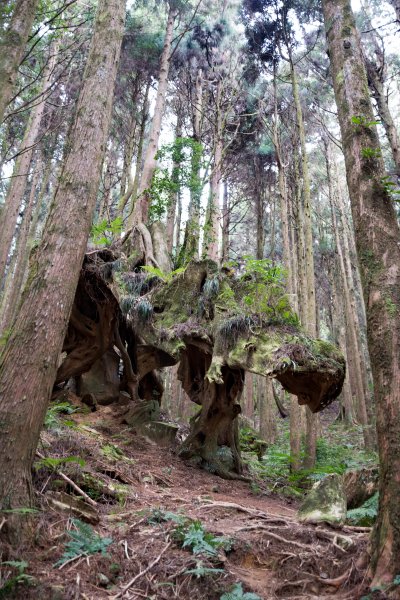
(217, 324)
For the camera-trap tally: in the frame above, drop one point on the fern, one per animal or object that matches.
(159, 515)
(84, 541)
(21, 577)
(166, 277)
(237, 593)
(201, 571)
(366, 514)
(53, 464)
(200, 541)
(52, 418)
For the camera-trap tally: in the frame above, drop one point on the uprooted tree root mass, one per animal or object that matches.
(216, 324)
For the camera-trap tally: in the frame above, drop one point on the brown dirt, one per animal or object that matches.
(272, 555)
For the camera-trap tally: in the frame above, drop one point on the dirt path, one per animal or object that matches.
(267, 551)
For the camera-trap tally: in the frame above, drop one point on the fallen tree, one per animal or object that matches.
(216, 323)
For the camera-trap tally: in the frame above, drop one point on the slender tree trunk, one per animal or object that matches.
(379, 93)
(141, 209)
(211, 227)
(249, 396)
(12, 46)
(16, 275)
(29, 361)
(133, 186)
(267, 410)
(190, 246)
(297, 413)
(310, 323)
(378, 246)
(16, 192)
(225, 223)
(174, 197)
(311, 309)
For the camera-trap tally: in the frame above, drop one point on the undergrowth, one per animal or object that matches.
(339, 449)
(84, 541)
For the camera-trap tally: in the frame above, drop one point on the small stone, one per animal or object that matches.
(103, 580)
(215, 489)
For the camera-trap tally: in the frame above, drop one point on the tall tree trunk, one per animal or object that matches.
(141, 209)
(190, 246)
(311, 309)
(174, 196)
(267, 410)
(249, 396)
(16, 191)
(351, 317)
(378, 246)
(211, 227)
(29, 361)
(225, 223)
(12, 46)
(379, 93)
(15, 277)
(133, 186)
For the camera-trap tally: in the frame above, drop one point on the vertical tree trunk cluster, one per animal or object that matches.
(12, 47)
(29, 361)
(378, 246)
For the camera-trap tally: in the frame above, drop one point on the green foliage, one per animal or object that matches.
(237, 593)
(390, 188)
(52, 419)
(211, 288)
(261, 288)
(366, 514)
(201, 570)
(192, 535)
(186, 157)
(143, 311)
(165, 277)
(158, 515)
(84, 541)
(370, 153)
(361, 121)
(339, 450)
(53, 464)
(10, 581)
(104, 232)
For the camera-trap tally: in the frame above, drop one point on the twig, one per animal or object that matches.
(76, 487)
(146, 570)
(70, 561)
(2, 523)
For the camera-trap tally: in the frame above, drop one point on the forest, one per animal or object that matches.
(199, 299)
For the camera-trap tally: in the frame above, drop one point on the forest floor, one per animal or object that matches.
(167, 529)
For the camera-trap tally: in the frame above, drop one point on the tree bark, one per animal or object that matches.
(29, 361)
(225, 223)
(351, 317)
(267, 410)
(141, 210)
(16, 191)
(378, 246)
(12, 46)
